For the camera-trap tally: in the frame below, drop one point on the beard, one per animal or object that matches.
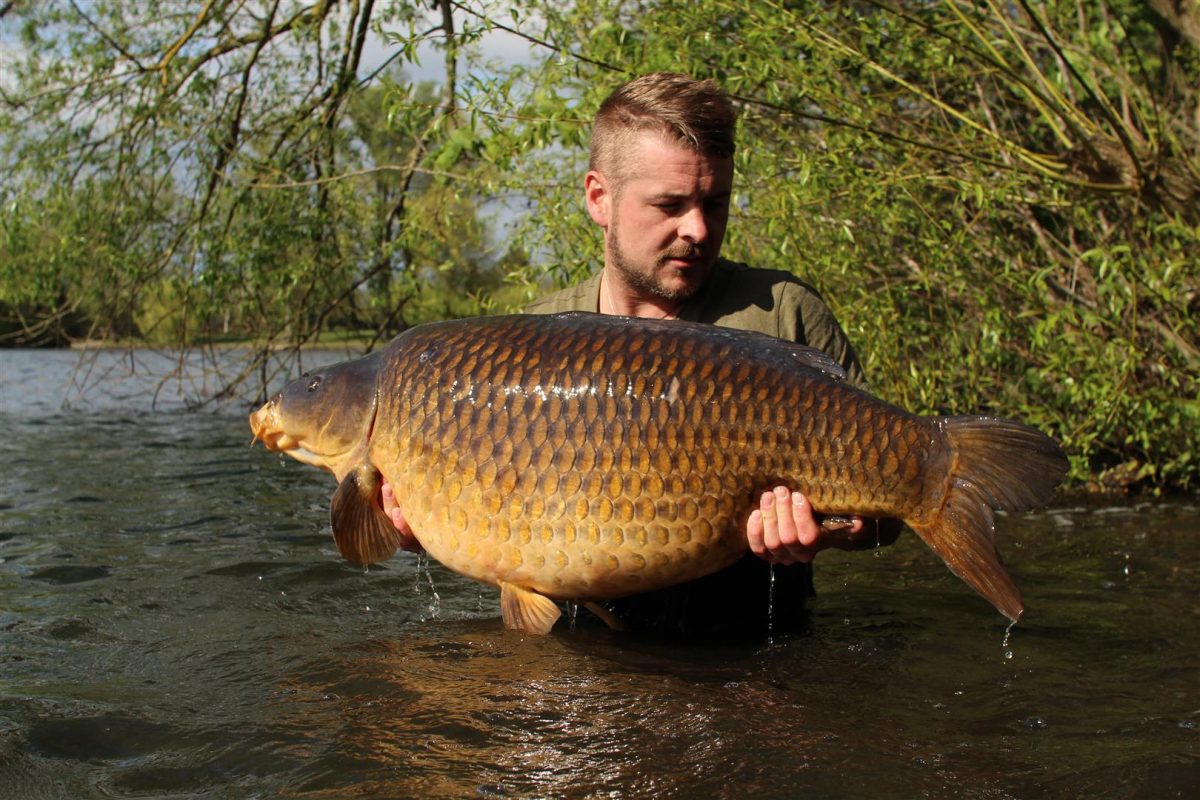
(646, 281)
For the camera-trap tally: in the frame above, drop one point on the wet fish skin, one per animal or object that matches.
(584, 457)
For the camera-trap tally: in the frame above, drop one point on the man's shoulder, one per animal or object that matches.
(769, 301)
(582, 296)
(735, 274)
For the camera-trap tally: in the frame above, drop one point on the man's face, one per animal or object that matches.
(665, 220)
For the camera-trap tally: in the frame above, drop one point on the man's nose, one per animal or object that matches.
(693, 227)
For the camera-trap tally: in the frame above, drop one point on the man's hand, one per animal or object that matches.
(783, 530)
(407, 540)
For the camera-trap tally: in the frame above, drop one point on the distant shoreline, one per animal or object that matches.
(117, 344)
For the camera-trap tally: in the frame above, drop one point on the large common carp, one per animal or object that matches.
(585, 457)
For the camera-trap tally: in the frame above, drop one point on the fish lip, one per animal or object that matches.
(264, 425)
(278, 441)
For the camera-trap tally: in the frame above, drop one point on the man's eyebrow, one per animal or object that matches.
(669, 196)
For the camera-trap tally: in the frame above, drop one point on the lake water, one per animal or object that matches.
(176, 623)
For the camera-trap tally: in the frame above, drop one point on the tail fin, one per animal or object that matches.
(991, 464)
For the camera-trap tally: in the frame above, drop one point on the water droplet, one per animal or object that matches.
(1008, 654)
(435, 603)
(771, 601)
(422, 566)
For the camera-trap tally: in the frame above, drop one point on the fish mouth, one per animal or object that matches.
(267, 428)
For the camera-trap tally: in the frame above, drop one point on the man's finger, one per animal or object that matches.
(808, 531)
(770, 521)
(785, 518)
(754, 533)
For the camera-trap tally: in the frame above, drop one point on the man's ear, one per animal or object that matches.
(598, 197)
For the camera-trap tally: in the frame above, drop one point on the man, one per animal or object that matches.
(659, 184)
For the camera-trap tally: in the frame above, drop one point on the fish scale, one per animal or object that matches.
(584, 457)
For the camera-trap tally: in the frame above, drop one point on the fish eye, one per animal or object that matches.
(314, 384)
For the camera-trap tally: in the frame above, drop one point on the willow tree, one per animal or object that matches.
(178, 172)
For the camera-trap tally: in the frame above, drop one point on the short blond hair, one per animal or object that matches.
(696, 113)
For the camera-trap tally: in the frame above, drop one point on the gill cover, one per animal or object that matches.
(362, 531)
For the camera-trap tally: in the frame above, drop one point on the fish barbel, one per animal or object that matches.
(585, 457)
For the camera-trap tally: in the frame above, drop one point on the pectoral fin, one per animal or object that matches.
(525, 610)
(363, 533)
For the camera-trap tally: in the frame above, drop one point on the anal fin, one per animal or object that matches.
(362, 532)
(526, 610)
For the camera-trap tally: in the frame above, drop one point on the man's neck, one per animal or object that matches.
(617, 298)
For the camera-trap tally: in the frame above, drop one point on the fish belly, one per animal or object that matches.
(589, 457)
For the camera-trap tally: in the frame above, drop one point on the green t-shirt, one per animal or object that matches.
(743, 600)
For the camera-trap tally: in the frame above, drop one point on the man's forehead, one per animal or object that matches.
(658, 145)
(657, 164)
